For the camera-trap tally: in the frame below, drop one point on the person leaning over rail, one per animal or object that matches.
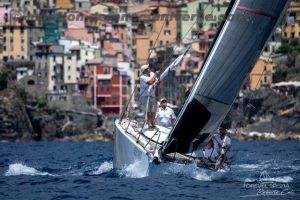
(147, 79)
(165, 116)
(209, 152)
(222, 143)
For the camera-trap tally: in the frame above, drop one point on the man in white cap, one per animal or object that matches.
(147, 79)
(165, 116)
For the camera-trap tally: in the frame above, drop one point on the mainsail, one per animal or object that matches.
(239, 43)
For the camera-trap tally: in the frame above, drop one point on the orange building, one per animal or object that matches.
(145, 39)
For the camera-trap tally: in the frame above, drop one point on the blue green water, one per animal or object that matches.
(80, 170)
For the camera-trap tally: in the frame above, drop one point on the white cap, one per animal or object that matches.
(144, 67)
(163, 99)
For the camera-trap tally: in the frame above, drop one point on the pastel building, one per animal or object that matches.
(83, 5)
(5, 9)
(291, 27)
(262, 74)
(63, 4)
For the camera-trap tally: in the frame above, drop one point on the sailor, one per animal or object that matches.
(147, 79)
(165, 116)
(210, 152)
(222, 143)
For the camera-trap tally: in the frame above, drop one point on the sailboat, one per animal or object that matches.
(242, 36)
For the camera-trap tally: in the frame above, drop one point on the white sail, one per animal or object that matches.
(173, 65)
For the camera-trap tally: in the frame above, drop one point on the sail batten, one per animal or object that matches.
(234, 52)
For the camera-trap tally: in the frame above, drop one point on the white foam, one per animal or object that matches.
(248, 166)
(17, 169)
(283, 179)
(134, 170)
(103, 168)
(192, 171)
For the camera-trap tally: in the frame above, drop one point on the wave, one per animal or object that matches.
(17, 169)
(134, 170)
(283, 179)
(248, 166)
(105, 167)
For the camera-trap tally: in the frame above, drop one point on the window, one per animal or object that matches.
(11, 30)
(167, 23)
(69, 57)
(106, 70)
(167, 32)
(22, 30)
(292, 34)
(11, 40)
(69, 68)
(4, 39)
(161, 43)
(265, 79)
(54, 58)
(151, 43)
(69, 77)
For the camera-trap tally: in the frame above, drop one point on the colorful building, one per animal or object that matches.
(211, 14)
(262, 74)
(5, 9)
(63, 4)
(291, 28)
(111, 93)
(190, 27)
(53, 26)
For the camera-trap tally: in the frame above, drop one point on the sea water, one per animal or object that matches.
(84, 170)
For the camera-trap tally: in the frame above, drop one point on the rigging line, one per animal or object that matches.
(130, 98)
(156, 40)
(191, 27)
(184, 36)
(128, 103)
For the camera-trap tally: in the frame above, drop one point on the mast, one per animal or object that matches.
(237, 46)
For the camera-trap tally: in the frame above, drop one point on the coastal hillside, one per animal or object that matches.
(23, 117)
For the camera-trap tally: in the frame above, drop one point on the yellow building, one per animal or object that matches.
(15, 42)
(63, 4)
(146, 41)
(262, 74)
(291, 29)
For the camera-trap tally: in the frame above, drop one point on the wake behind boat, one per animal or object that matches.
(240, 39)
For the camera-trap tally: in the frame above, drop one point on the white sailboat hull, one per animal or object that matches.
(128, 152)
(133, 153)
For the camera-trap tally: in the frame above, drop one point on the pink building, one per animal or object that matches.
(79, 34)
(5, 11)
(114, 40)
